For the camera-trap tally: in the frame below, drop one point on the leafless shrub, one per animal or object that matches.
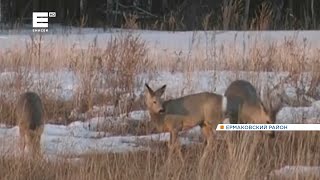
(263, 19)
(111, 71)
(131, 21)
(231, 14)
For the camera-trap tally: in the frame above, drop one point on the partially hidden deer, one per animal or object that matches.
(29, 114)
(249, 107)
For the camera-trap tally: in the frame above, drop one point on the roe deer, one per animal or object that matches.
(201, 109)
(250, 108)
(29, 113)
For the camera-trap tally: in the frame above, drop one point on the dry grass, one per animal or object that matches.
(107, 77)
(246, 156)
(108, 74)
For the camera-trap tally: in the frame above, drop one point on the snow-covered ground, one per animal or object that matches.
(77, 138)
(161, 43)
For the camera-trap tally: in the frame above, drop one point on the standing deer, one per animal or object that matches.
(29, 113)
(202, 109)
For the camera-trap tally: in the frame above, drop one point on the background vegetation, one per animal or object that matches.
(235, 156)
(171, 14)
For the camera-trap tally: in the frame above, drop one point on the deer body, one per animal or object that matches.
(202, 109)
(251, 109)
(29, 113)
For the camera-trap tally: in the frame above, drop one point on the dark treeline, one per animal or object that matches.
(171, 14)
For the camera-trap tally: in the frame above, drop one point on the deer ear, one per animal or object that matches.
(161, 90)
(148, 89)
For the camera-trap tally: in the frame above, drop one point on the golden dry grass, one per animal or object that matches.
(246, 156)
(106, 74)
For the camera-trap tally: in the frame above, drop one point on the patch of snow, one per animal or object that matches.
(298, 115)
(96, 122)
(78, 139)
(63, 83)
(291, 172)
(162, 42)
(71, 145)
(60, 84)
(316, 104)
(138, 115)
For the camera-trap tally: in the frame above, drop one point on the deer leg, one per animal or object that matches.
(207, 132)
(175, 145)
(170, 146)
(22, 143)
(29, 143)
(171, 139)
(22, 140)
(204, 156)
(36, 145)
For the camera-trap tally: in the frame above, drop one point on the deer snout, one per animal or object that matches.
(161, 110)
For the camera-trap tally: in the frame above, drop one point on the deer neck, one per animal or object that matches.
(156, 116)
(157, 122)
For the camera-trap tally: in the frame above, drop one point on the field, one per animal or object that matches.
(92, 83)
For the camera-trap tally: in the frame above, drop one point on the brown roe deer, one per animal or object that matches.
(204, 109)
(249, 107)
(29, 113)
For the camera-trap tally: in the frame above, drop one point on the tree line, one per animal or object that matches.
(171, 14)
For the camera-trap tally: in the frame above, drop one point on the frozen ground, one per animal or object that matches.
(77, 138)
